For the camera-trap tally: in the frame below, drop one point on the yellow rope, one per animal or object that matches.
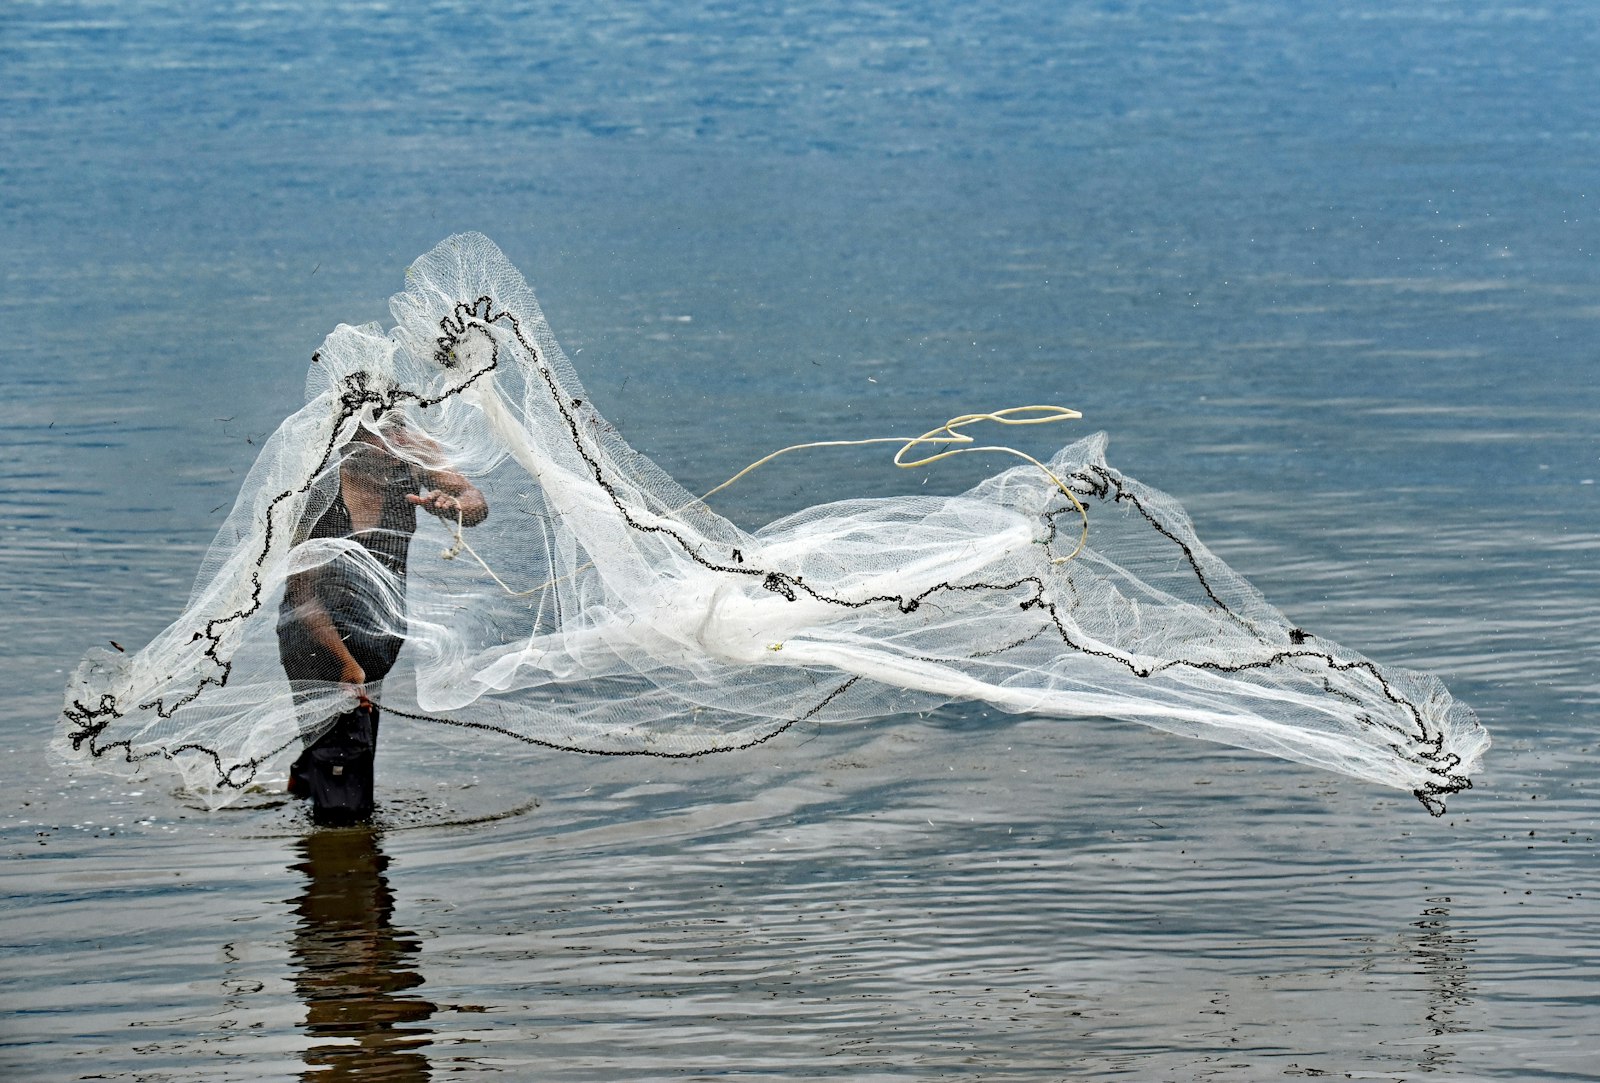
(461, 543)
(950, 433)
(943, 436)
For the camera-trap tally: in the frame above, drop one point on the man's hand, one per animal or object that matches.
(355, 678)
(438, 502)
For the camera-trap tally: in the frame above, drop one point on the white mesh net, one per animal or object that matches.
(623, 616)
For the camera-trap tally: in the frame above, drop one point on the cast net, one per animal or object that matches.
(602, 608)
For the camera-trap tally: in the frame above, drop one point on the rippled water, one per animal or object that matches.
(1328, 276)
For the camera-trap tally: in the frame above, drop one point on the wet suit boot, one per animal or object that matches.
(336, 772)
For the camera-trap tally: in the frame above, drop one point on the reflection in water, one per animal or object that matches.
(352, 967)
(1440, 954)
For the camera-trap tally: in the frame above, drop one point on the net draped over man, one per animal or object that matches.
(655, 626)
(343, 620)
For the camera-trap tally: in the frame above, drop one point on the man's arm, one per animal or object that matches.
(453, 496)
(313, 616)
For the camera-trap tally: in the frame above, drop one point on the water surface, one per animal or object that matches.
(1326, 275)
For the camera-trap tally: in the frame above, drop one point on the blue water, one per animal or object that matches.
(1328, 273)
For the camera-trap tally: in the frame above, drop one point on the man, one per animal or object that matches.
(344, 620)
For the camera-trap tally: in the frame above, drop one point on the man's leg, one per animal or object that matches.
(339, 768)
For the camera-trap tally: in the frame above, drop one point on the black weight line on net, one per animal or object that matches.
(92, 720)
(489, 727)
(465, 317)
(785, 585)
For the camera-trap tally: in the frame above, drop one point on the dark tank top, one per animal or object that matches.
(390, 540)
(363, 611)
